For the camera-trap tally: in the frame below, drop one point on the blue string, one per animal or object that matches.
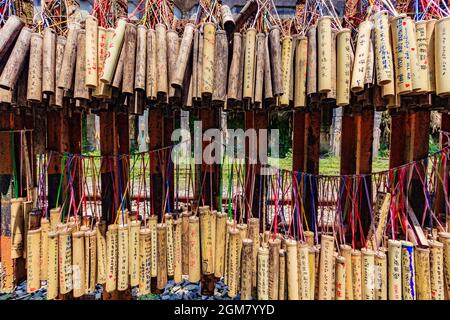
(312, 178)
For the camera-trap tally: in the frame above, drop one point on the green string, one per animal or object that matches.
(63, 163)
(13, 158)
(230, 182)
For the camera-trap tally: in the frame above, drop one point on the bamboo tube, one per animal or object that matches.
(275, 59)
(444, 237)
(45, 228)
(259, 68)
(324, 53)
(368, 274)
(291, 269)
(316, 280)
(313, 251)
(249, 64)
(200, 67)
(418, 79)
(169, 244)
(209, 40)
(16, 227)
(208, 239)
(331, 95)
(64, 81)
(301, 56)
(161, 231)
(172, 55)
(430, 55)
(273, 268)
(130, 60)
(343, 68)
(220, 67)
(8, 33)
(234, 240)
(436, 270)
(78, 264)
(253, 233)
(56, 99)
(282, 275)
(268, 89)
(145, 261)
(91, 66)
(219, 260)
(184, 54)
(152, 223)
(48, 61)
(27, 207)
(309, 238)
(185, 241)
(292, 69)
(356, 274)
(141, 56)
(422, 72)
(133, 251)
(422, 268)
(227, 19)
(311, 69)
(80, 89)
(177, 274)
(242, 227)
(112, 53)
(286, 61)
(235, 67)
(123, 258)
(229, 225)
(395, 270)
(402, 61)
(194, 249)
(383, 50)
(161, 60)
(340, 278)
(102, 45)
(263, 273)
(52, 272)
(408, 272)
(325, 268)
(247, 268)
(101, 252)
(65, 261)
(442, 59)
(33, 260)
(195, 64)
(304, 287)
(380, 276)
(112, 244)
(361, 56)
(90, 246)
(16, 60)
(151, 83)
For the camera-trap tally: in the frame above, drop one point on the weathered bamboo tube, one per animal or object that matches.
(145, 261)
(408, 272)
(361, 56)
(90, 247)
(48, 61)
(436, 270)
(324, 54)
(194, 249)
(403, 76)
(273, 268)
(219, 259)
(340, 278)
(380, 276)
(17, 228)
(430, 55)
(130, 59)
(27, 207)
(151, 81)
(56, 99)
(325, 267)
(259, 69)
(220, 67)
(422, 72)
(383, 50)
(286, 61)
(141, 58)
(229, 225)
(247, 267)
(45, 228)
(102, 46)
(161, 231)
(249, 64)
(418, 80)
(200, 67)
(33, 260)
(185, 241)
(263, 273)
(275, 59)
(311, 69)
(282, 275)
(343, 67)
(113, 52)
(112, 243)
(52, 261)
(234, 255)
(243, 228)
(227, 19)
(304, 287)
(368, 274)
(209, 43)
(173, 45)
(309, 238)
(152, 223)
(81, 91)
(300, 69)
(101, 252)
(161, 60)
(422, 268)
(331, 95)
(253, 233)
(195, 63)
(395, 270)
(316, 280)
(177, 256)
(268, 89)
(78, 266)
(169, 244)
(292, 269)
(235, 67)
(183, 56)
(91, 64)
(64, 81)
(356, 274)
(442, 59)
(292, 70)
(8, 33)
(133, 252)
(16, 60)
(444, 237)
(208, 239)
(65, 261)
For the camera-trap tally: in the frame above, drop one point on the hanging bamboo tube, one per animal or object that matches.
(403, 76)
(91, 65)
(16, 60)
(122, 258)
(368, 274)
(17, 226)
(161, 61)
(273, 268)
(185, 242)
(304, 287)
(253, 233)
(234, 261)
(311, 68)
(235, 67)
(383, 50)
(103, 42)
(340, 278)
(324, 54)
(418, 80)
(133, 251)
(52, 271)
(112, 244)
(54, 218)
(27, 207)
(152, 82)
(442, 59)
(331, 95)
(361, 56)
(286, 61)
(356, 274)
(208, 239)
(436, 270)
(242, 227)
(130, 60)
(268, 89)
(177, 274)
(209, 41)
(80, 90)
(313, 252)
(422, 72)
(325, 267)
(161, 231)
(229, 225)
(45, 228)
(200, 67)
(444, 237)
(219, 259)
(395, 270)
(249, 64)
(118, 75)
(112, 54)
(291, 269)
(33, 260)
(282, 275)
(247, 267)
(48, 61)
(301, 59)
(141, 58)
(259, 69)
(422, 268)
(101, 252)
(380, 276)
(343, 68)
(78, 270)
(227, 19)
(184, 54)
(263, 273)
(152, 223)
(408, 272)
(145, 261)
(194, 249)
(430, 55)
(90, 246)
(172, 55)
(275, 59)
(64, 81)
(220, 67)
(8, 33)
(169, 244)
(56, 99)
(65, 261)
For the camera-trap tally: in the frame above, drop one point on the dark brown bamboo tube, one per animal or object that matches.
(169, 245)
(183, 56)
(90, 246)
(282, 276)
(151, 83)
(227, 19)
(234, 255)
(194, 249)
(286, 66)
(78, 264)
(268, 90)
(185, 242)
(247, 267)
(112, 243)
(275, 59)
(65, 261)
(144, 261)
(436, 270)
(130, 59)
(33, 260)
(173, 46)
(209, 44)
(177, 274)
(235, 67)
(161, 60)
(274, 268)
(195, 62)
(53, 260)
(48, 61)
(16, 60)
(259, 71)
(45, 228)
(56, 99)
(9, 33)
(133, 252)
(422, 267)
(161, 231)
(81, 91)
(220, 67)
(219, 259)
(311, 79)
(141, 56)
(91, 48)
(64, 80)
(101, 252)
